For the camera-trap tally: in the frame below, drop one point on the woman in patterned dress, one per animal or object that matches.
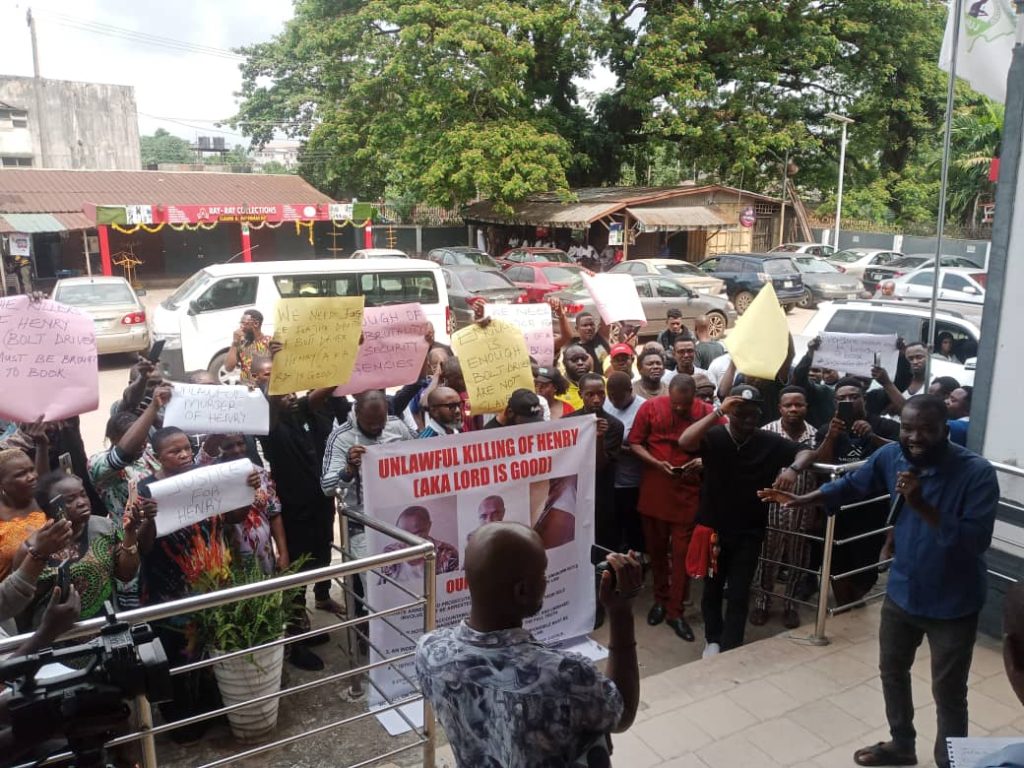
(20, 515)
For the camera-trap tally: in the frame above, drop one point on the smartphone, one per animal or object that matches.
(844, 410)
(64, 460)
(878, 360)
(63, 581)
(156, 350)
(58, 510)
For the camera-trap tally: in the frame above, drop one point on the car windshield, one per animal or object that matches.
(847, 257)
(473, 280)
(815, 266)
(473, 258)
(680, 269)
(198, 281)
(908, 261)
(557, 256)
(95, 294)
(567, 277)
(779, 267)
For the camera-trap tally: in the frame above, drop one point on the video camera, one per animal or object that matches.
(87, 706)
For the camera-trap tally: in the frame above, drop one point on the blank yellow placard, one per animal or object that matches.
(495, 363)
(320, 339)
(759, 342)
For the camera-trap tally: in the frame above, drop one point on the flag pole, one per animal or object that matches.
(957, 11)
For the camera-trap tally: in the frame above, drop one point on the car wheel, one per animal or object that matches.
(807, 300)
(787, 308)
(221, 374)
(717, 323)
(742, 300)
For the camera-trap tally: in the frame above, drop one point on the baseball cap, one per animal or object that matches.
(542, 372)
(701, 380)
(748, 393)
(526, 405)
(621, 349)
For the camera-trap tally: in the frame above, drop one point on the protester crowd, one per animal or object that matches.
(702, 473)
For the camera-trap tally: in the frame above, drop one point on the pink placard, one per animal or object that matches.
(47, 360)
(393, 349)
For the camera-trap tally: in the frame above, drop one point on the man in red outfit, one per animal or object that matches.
(669, 494)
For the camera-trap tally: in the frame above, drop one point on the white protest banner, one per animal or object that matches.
(19, 244)
(855, 353)
(540, 475)
(616, 297)
(393, 349)
(201, 493)
(534, 320)
(201, 409)
(47, 360)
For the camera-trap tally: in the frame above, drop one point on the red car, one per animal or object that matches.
(542, 278)
(514, 256)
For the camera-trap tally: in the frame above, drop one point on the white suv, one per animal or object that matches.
(908, 321)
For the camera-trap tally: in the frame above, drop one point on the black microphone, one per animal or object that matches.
(897, 504)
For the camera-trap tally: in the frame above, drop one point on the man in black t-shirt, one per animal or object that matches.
(739, 460)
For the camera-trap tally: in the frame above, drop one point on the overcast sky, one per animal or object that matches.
(182, 92)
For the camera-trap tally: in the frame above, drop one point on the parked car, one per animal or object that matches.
(824, 281)
(687, 274)
(853, 261)
(462, 256)
(117, 313)
(465, 283)
(658, 295)
(812, 249)
(533, 255)
(379, 253)
(542, 278)
(746, 273)
(911, 262)
(908, 321)
(957, 284)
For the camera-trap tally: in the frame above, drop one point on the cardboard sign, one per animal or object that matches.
(201, 493)
(393, 349)
(855, 353)
(201, 409)
(534, 320)
(495, 364)
(760, 341)
(616, 298)
(48, 362)
(320, 339)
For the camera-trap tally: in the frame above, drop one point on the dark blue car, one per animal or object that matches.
(747, 273)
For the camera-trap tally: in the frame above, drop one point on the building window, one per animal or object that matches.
(16, 162)
(19, 121)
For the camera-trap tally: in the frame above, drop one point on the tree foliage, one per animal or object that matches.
(163, 147)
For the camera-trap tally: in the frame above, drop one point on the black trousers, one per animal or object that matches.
(631, 530)
(310, 531)
(737, 563)
(952, 646)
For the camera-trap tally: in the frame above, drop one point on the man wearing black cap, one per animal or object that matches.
(523, 408)
(739, 460)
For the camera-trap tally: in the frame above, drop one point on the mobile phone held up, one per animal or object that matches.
(844, 410)
(156, 350)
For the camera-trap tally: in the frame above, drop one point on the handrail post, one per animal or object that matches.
(429, 624)
(144, 715)
(819, 637)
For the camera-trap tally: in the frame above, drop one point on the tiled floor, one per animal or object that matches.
(780, 702)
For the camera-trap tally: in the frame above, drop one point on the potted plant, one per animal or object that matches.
(240, 625)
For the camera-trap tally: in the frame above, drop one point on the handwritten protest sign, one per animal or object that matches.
(534, 320)
(495, 364)
(394, 346)
(47, 360)
(615, 297)
(320, 339)
(759, 342)
(209, 408)
(854, 353)
(184, 499)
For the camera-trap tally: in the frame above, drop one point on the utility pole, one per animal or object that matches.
(37, 87)
(842, 171)
(782, 208)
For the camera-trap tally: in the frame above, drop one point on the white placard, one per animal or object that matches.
(201, 493)
(19, 244)
(854, 353)
(534, 320)
(201, 409)
(616, 297)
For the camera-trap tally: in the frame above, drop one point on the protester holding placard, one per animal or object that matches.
(589, 336)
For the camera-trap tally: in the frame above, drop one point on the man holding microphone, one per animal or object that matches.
(943, 508)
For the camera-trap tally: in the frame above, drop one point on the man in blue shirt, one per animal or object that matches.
(937, 584)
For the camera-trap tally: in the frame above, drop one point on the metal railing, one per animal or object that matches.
(341, 573)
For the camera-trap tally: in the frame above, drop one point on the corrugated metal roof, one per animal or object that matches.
(49, 191)
(31, 223)
(568, 215)
(677, 218)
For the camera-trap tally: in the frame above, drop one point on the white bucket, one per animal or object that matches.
(245, 678)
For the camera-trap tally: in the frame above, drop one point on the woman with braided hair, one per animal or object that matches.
(20, 515)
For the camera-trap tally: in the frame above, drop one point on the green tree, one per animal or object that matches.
(163, 147)
(977, 133)
(444, 100)
(275, 167)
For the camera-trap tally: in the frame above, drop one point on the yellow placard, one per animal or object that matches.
(320, 339)
(495, 363)
(759, 342)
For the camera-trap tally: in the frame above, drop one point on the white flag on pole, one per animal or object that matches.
(987, 34)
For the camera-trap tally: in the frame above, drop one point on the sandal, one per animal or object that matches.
(883, 753)
(331, 606)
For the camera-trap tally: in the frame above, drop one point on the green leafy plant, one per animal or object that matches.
(245, 623)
